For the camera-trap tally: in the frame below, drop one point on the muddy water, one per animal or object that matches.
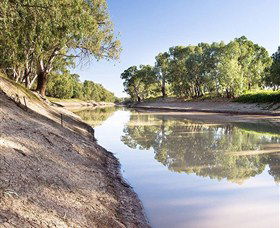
(195, 173)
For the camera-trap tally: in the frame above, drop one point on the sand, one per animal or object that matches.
(57, 176)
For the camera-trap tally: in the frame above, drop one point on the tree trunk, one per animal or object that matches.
(249, 86)
(227, 92)
(32, 81)
(42, 83)
(138, 98)
(163, 89)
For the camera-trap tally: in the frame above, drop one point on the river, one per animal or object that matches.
(195, 173)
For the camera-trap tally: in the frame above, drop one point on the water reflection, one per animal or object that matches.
(232, 152)
(95, 116)
(208, 150)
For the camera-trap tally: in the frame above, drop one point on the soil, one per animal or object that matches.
(81, 104)
(218, 111)
(54, 175)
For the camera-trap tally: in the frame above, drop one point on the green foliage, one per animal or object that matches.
(217, 69)
(65, 85)
(96, 92)
(37, 36)
(273, 74)
(140, 83)
(61, 86)
(262, 96)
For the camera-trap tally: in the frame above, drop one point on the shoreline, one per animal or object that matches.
(170, 109)
(232, 108)
(57, 175)
(81, 104)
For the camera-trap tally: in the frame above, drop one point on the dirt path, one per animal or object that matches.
(57, 176)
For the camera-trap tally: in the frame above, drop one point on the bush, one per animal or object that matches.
(263, 96)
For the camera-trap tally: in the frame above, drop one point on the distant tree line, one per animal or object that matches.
(217, 69)
(66, 85)
(41, 37)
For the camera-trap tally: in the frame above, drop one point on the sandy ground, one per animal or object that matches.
(82, 104)
(57, 176)
(214, 107)
(218, 110)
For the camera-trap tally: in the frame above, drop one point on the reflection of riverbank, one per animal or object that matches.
(206, 149)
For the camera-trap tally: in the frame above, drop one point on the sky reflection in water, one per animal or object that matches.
(193, 173)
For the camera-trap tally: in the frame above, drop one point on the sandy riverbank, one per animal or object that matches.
(57, 176)
(214, 107)
(219, 111)
(226, 107)
(81, 104)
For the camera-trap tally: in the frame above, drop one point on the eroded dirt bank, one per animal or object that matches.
(82, 104)
(212, 107)
(57, 176)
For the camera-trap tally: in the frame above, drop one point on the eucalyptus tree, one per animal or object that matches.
(162, 66)
(253, 59)
(140, 83)
(273, 75)
(42, 32)
(242, 66)
(178, 77)
(216, 69)
(96, 92)
(230, 78)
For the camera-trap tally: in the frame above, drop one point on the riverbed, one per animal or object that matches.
(195, 172)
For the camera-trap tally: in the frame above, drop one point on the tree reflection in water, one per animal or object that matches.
(209, 150)
(95, 116)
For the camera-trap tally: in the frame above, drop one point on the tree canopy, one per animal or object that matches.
(217, 69)
(37, 36)
(139, 83)
(273, 74)
(65, 85)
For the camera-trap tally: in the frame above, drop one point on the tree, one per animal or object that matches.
(96, 92)
(64, 85)
(230, 77)
(273, 73)
(217, 69)
(178, 76)
(139, 83)
(42, 32)
(253, 60)
(60, 86)
(162, 66)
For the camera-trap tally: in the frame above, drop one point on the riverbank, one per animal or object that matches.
(76, 103)
(212, 107)
(54, 175)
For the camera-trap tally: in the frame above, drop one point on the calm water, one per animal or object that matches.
(195, 173)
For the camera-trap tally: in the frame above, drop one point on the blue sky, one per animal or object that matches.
(147, 27)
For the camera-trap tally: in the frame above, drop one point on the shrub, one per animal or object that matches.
(262, 96)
